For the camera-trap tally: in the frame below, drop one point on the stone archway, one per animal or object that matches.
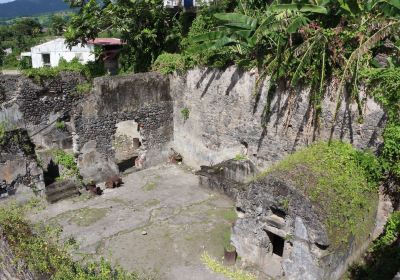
(126, 144)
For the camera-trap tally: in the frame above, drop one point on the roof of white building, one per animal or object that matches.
(58, 44)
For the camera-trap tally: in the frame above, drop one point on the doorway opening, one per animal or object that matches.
(278, 244)
(51, 174)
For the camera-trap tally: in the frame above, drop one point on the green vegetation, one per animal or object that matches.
(185, 113)
(89, 70)
(230, 273)
(168, 63)
(2, 132)
(38, 247)
(13, 137)
(240, 157)
(84, 88)
(60, 125)
(20, 35)
(384, 85)
(383, 257)
(68, 162)
(149, 186)
(343, 184)
(85, 217)
(146, 26)
(229, 215)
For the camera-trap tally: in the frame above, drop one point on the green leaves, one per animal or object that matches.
(237, 20)
(304, 8)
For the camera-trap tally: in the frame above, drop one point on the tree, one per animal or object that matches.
(27, 27)
(146, 27)
(57, 24)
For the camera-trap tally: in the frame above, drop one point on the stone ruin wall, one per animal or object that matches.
(226, 119)
(141, 98)
(90, 119)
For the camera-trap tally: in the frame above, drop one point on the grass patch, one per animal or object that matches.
(87, 216)
(231, 273)
(228, 214)
(221, 236)
(150, 186)
(342, 184)
(151, 203)
(38, 247)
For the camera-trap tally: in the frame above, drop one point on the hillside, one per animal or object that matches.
(30, 7)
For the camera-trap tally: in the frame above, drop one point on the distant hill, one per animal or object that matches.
(19, 8)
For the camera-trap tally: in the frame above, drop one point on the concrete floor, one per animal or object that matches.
(160, 220)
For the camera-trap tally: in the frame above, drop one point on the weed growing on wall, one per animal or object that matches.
(84, 88)
(60, 125)
(2, 132)
(185, 113)
(240, 157)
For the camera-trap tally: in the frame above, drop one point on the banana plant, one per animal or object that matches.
(243, 31)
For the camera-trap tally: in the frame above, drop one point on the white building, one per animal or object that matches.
(187, 4)
(50, 53)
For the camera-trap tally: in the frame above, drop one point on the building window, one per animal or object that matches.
(46, 59)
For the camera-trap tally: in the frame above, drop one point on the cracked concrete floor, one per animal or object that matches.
(181, 220)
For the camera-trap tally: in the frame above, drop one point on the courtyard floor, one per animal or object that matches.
(160, 221)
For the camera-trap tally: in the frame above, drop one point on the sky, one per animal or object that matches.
(5, 1)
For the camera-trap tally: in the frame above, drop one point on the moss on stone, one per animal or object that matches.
(149, 186)
(83, 217)
(337, 183)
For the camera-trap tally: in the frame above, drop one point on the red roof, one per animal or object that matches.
(106, 42)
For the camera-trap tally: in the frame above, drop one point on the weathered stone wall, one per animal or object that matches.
(143, 98)
(271, 207)
(35, 106)
(19, 171)
(226, 119)
(29, 109)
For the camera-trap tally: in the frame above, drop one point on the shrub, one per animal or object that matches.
(89, 70)
(68, 161)
(167, 63)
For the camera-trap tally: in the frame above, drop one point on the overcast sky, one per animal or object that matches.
(5, 1)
